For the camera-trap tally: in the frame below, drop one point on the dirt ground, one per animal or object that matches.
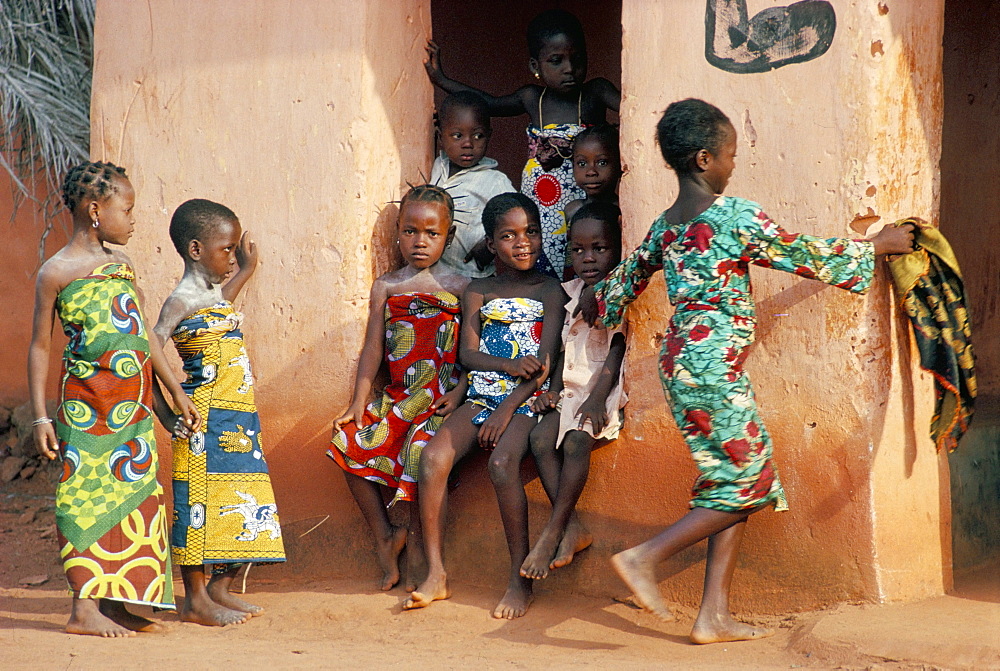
(347, 623)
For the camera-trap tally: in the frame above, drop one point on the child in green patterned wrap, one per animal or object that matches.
(108, 493)
(704, 244)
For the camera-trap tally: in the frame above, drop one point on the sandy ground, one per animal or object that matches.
(348, 624)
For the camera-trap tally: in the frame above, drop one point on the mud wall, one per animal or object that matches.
(308, 118)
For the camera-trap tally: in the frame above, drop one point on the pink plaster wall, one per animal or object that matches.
(307, 119)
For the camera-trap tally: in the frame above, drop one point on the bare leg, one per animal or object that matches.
(558, 533)
(218, 590)
(416, 563)
(637, 566)
(455, 439)
(117, 612)
(389, 540)
(87, 619)
(715, 624)
(505, 472)
(199, 607)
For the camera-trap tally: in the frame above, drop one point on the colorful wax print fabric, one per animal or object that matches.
(552, 190)
(421, 350)
(705, 264)
(109, 508)
(511, 328)
(929, 283)
(224, 509)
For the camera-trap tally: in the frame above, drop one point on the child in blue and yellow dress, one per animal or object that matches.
(510, 335)
(559, 108)
(224, 510)
(704, 244)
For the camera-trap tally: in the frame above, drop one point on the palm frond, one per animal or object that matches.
(46, 57)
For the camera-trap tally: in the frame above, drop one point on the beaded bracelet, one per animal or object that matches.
(42, 420)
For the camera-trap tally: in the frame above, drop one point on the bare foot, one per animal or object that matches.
(435, 588)
(515, 601)
(388, 550)
(725, 629)
(576, 539)
(211, 614)
(88, 620)
(536, 565)
(227, 599)
(116, 612)
(640, 578)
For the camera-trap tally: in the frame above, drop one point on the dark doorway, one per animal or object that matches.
(970, 218)
(483, 45)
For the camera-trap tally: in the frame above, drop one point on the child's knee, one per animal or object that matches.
(503, 468)
(577, 445)
(434, 463)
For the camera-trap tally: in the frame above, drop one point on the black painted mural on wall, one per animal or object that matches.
(774, 37)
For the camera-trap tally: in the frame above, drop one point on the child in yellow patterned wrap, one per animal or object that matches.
(224, 509)
(109, 508)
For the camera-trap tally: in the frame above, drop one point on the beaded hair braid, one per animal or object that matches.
(90, 180)
(429, 193)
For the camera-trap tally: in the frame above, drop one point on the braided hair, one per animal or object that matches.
(92, 180)
(687, 127)
(501, 204)
(196, 219)
(429, 193)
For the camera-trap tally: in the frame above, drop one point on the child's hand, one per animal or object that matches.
(481, 254)
(593, 412)
(45, 440)
(447, 404)
(355, 413)
(176, 425)
(187, 412)
(493, 427)
(895, 239)
(586, 307)
(433, 63)
(525, 367)
(246, 253)
(545, 402)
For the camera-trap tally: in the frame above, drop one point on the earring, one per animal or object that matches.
(95, 223)
(537, 76)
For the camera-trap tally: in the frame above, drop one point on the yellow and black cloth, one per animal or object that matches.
(929, 284)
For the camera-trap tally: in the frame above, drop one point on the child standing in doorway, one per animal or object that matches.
(470, 177)
(704, 244)
(583, 405)
(224, 510)
(109, 507)
(510, 335)
(413, 324)
(559, 106)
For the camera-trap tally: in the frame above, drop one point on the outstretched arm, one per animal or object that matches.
(46, 290)
(370, 360)
(841, 262)
(246, 258)
(509, 105)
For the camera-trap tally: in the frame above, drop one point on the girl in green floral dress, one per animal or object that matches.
(704, 244)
